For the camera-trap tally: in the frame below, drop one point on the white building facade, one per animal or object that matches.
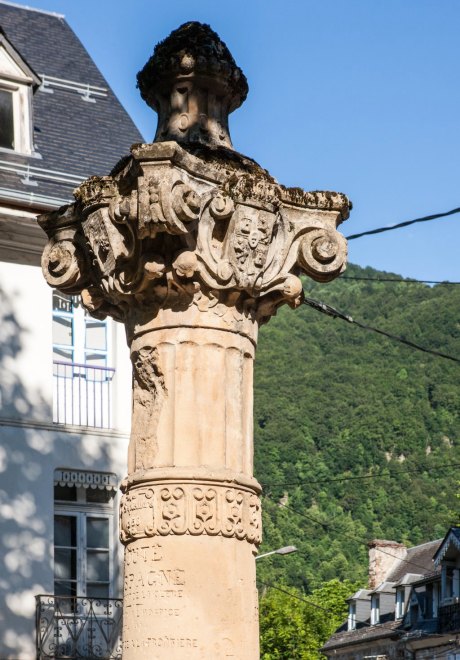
(65, 378)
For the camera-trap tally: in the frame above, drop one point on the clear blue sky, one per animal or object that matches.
(358, 96)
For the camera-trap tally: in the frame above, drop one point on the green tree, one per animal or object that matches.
(294, 626)
(334, 402)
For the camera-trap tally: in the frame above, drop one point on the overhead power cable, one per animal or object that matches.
(391, 474)
(269, 585)
(328, 526)
(396, 280)
(335, 313)
(407, 223)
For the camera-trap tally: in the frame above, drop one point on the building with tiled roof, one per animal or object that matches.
(64, 376)
(411, 607)
(61, 122)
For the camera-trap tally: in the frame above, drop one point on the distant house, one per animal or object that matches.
(411, 608)
(65, 381)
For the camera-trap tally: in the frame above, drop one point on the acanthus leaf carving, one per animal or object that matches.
(154, 235)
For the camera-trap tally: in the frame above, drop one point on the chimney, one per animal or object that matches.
(383, 557)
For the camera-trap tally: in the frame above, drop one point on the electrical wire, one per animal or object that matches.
(394, 279)
(328, 526)
(446, 466)
(335, 313)
(269, 585)
(407, 223)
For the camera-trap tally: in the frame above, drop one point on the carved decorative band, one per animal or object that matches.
(193, 508)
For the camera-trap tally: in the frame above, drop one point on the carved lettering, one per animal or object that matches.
(161, 642)
(160, 612)
(143, 554)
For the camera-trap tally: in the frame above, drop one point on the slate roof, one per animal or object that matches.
(419, 560)
(364, 634)
(72, 136)
(451, 538)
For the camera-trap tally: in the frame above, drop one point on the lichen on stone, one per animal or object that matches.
(192, 48)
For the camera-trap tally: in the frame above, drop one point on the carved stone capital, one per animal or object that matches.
(158, 234)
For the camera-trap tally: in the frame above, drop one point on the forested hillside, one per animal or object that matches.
(356, 436)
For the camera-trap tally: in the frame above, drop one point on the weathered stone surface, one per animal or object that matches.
(159, 235)
(193, 83)
(192, 246)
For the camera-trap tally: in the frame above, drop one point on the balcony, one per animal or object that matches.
(69, 627)
(82, 394)
(449, 618)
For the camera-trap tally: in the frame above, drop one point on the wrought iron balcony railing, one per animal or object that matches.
(449, 617)
(82, 394)
(70, 627)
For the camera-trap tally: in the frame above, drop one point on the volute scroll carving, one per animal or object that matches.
(156, 235)
(322, 253)
(64, 260)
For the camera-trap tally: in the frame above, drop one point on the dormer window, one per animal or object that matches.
(352, 615)
(399, 611)
(6, 119)
(450, 582)
(17, 82)
(436, 596)
(375, 609)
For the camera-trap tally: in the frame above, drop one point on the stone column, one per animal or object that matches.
(192, 246)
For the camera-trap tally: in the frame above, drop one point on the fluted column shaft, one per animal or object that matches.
(190, 515)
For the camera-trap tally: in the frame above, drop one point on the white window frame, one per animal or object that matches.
(81, 510)
(21, 116)
(16, 77)
(352, 615)
(79, 319)
(400, 603)
(375, 609)
(82, 375)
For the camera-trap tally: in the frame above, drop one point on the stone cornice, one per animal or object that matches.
(170, 228)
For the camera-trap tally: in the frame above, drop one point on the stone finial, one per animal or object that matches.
(193, 83)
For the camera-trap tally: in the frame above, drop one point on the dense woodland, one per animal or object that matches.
(356, 436)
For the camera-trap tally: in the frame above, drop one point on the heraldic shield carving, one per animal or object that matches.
(157, 234)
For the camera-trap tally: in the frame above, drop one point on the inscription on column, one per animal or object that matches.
(153, 589)
(162, 642)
